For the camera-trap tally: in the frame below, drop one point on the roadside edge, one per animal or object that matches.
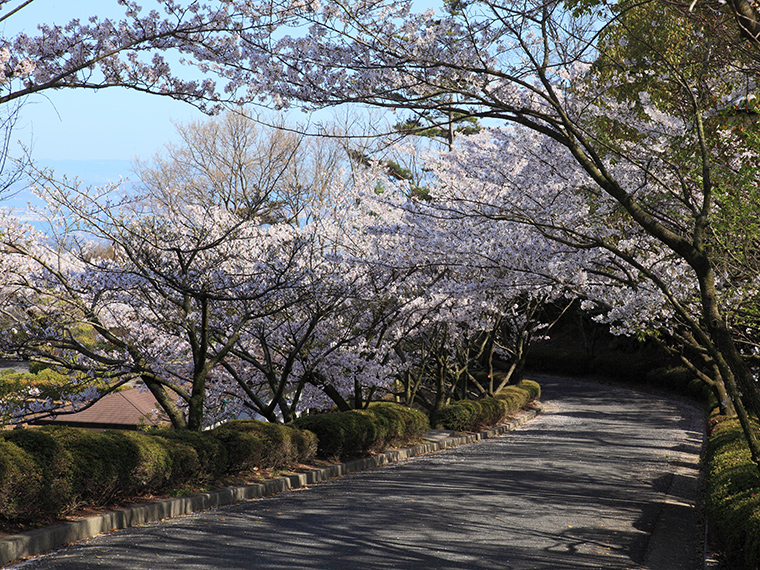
(33, 543)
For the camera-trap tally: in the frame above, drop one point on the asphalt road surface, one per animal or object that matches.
(605, 478)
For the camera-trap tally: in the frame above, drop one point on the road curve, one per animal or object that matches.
(605, 478)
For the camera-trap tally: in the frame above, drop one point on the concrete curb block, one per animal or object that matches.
(35, 542)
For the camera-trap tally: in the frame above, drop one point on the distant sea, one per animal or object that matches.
(23, 203)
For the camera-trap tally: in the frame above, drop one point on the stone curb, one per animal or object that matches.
(35, 542)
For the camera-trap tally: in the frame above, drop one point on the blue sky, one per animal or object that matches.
(93, 135)
(110, 124)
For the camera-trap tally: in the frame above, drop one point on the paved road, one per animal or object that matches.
(582, 486)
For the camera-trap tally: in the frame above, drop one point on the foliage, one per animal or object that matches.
(36, 367)
(614, 176)
(211, 453)
(676, 378)
(229, 313)
(532, 388)
(251, 443)
(52, 464)
(473, 415)
(733, 493)
(104, 464)
(46, 472)
(359, 432)
(470, 415)
(403, 424)
(20, 481)
(630, 180)
(42, 383)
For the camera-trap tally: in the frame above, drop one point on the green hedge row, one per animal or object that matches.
(46, 472)
(473, 415)
(732, 501)
(358, 432)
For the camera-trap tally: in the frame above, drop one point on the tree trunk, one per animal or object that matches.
(440, 388)
(195, 406)
(170, 407)
(335, 396)
(358, 400)
(725, 345)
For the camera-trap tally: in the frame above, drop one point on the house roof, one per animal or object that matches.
(126, 409)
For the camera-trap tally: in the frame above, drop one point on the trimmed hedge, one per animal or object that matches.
(470, 415)
(46, 472)
(732, 503)
(250, 443)
(211, 452)
(532, 388)
(20, 481)
(403, 425)
(52, 465)
(474, 415)
(359, 432)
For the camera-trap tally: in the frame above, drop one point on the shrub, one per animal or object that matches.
(733, 493)
(146, 462)
(20, 482)
(516, 396)
(252, 443)
(358, 432)
(210, 451)
(52, 463)
(533, 388)
(470, 415)
(405, 425)
(161, 464)
(45, 472)
(244, 450)
(343, 434)
(457, 416)
(96, 464)
(675, 378)
(305, 444)
(699, 390)
(36, 367)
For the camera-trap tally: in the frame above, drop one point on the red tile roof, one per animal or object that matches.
(126, 409)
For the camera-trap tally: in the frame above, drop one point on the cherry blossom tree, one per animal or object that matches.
(608, 192)
(134, 52)
(172, 304)
(217, 313)
(166, 308)
(641, 286)
(652, 166)
(470, 287)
